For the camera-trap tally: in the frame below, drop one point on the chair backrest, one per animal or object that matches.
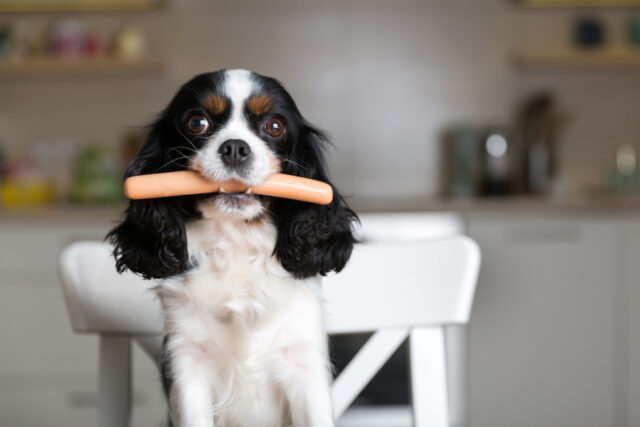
(407, 284)
(408, 226)
(384, 285)
(102, 301)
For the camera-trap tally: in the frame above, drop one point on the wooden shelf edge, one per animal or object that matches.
(21, 6)
(577, 3)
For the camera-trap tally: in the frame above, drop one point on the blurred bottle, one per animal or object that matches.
(26, 182)
(129, 43)
(5, 41)
(66, 39)
(589, 32)
(97, 177)
(634, 31)
(624, 177)
(496, 153)
(2, 163)
(92, 44)
(461, 149)
(539, 123)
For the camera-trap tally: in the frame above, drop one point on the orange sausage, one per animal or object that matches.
(184, 183)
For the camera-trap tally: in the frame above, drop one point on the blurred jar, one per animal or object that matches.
(539, 124)
(496, 156)
(5, 41)
(60, 155)
(26, 182)
(66, 38)
(462, 161)
(97, 177)
(624, 177)
(2, 167)
(588, 32)
(92, 44)
(129, 43)
(634, 31)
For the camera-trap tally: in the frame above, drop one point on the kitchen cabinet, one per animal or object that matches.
(48, 374)
(547, 335)
(629, 309)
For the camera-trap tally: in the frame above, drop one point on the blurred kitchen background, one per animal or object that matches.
(522, 118)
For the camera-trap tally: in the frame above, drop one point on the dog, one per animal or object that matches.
(239, 274)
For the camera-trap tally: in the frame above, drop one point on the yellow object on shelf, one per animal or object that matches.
(26, 194)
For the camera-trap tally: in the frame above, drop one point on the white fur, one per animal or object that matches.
(246, 339)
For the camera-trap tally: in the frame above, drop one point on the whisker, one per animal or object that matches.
(267, 211)
(171, 162)
(282, 159)
(178, 149)
(185, 137)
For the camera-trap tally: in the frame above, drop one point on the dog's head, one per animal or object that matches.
(233, 125)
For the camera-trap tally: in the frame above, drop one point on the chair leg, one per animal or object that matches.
(455, 339)
(428, 377)
(114, 382)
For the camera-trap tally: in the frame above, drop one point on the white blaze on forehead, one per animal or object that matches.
(238, 86)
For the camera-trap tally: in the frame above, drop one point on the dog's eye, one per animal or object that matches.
(275, 128)
(197, 124)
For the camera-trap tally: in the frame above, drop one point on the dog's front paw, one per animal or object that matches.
(201, 422)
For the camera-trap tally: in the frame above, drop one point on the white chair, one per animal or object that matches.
(396, 290)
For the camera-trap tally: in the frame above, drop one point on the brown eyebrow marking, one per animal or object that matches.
(259, 104)
(215, 104)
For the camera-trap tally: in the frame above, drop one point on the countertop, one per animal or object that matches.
(626, 205)
(63, 214)
(613, 204)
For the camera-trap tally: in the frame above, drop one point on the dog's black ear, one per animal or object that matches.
(151, 240)
(312, 239)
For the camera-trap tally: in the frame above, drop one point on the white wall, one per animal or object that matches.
(383, 77)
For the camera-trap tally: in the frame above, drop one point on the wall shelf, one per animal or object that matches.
(578, 3)
(43, 66)
(579, 58)
(76, 5)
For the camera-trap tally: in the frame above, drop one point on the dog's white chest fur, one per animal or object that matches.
(243, 333)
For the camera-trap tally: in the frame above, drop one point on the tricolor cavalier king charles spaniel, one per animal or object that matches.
(245, 343)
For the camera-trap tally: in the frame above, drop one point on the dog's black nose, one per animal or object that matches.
(234, 152)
